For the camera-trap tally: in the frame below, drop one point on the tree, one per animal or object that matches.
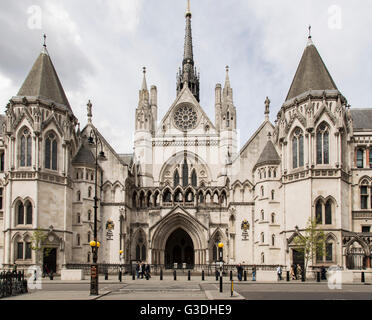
(38, 239)
(310, 243)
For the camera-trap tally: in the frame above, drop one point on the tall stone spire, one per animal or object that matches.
(187, 75)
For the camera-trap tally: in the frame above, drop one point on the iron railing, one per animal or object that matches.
(12, 283)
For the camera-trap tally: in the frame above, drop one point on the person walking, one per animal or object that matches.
(147, 271)
(240, 271)
(142, 269)
(254, 273)
(138, 269)
(295, 271)
(293, 276)
(299, 271)
(279, 272)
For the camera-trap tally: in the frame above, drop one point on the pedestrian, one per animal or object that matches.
(295, 271)
(279, 272)
(240, 272)
(147, 271)
(142, 269)
(293, 276)
(254, 273)
(138, 269)
(324, 273)
(15, 268)
(299, 271)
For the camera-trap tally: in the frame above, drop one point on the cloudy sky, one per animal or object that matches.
(99, 47)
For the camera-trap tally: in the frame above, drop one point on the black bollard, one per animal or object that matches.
(189, 275)
(318, 276)
(363, 278)
(175, 275)
(133, 275)
(203, 276)
(120, 275)
(217, 275)
(303, 276)
(288, 276)
(221, 284)
(106, 275)
(161, 274)
(245, 275)
(231, 275)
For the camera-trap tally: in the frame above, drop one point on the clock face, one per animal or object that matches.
(185, 117)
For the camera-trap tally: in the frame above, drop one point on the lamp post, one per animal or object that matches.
(220, 246)
(94, 140)
(121, 262)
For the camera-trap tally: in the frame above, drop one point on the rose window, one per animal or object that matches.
(185, 117)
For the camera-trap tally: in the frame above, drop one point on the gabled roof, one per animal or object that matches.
(43, 82)
(312, 74)
(362, 119)
(84, 156)
(268, 155)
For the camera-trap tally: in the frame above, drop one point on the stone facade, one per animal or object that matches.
(187, 187)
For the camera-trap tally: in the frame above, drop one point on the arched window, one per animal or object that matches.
(201, 197)
(176, 178)
(78, 196)
(51, 151)
(262, 215)
(272, 195)
(21, 213)
(322, 144)
(185, 174)
(262, 258)
(262, 237)
(167, 196)
(88, 258)
(78, 220)
(89, 192)
(26, 152)
(29, 213)
(328, 212)
(194, 179)
(78, 240)
(273, 240)
(273, 218)
(319, 212)
(215, 253)
(364, 195)
(2, 162)
(262, 191)
(88, 237)
(360, 158)
(89, 215)
(298, 148)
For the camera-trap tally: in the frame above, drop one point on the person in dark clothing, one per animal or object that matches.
(138, 269)
(240, 272)
(323, 273)
(147, 272)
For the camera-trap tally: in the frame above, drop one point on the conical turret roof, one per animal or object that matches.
(312, 74)
(43, 82)
(268, 155)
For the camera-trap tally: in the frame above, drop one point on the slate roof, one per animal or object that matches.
(268, 155)
(43, 82)
(362, 119)
(84, 156)
(127, 159)
(311, 74)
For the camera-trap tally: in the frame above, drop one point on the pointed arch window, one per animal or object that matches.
(360, 158)
(298, 148)
(185, 174)
(364, 195)
(273, 240)
(322, 144)
(29, 213)
(194, 179)
(319, 212)
(176, 178)
(51, 151)
(328, 212)
(21, 214)
(26, 152)
(2, 162)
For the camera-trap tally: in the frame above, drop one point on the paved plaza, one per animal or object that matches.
(195, 289)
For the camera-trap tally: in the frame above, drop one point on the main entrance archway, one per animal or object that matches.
(179, 250)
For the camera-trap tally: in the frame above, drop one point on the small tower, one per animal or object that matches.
(267, 109)
(144, 131)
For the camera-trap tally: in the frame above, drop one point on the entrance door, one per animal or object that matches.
(298, 258)
(179, 249)
(50, 260)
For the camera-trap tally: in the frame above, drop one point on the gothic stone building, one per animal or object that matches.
(187, 186)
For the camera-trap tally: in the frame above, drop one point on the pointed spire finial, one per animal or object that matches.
(144, 83)
(45, 37)
(227, 81)
(310, 40)
(45, 51)
(309, 31)
(267, 108)
(188, 11)
(89, 111)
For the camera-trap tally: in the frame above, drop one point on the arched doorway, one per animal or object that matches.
(179, 249)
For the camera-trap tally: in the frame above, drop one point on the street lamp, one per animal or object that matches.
(94, 140)
(220, 246)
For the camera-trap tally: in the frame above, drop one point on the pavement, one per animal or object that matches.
(183, 289)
